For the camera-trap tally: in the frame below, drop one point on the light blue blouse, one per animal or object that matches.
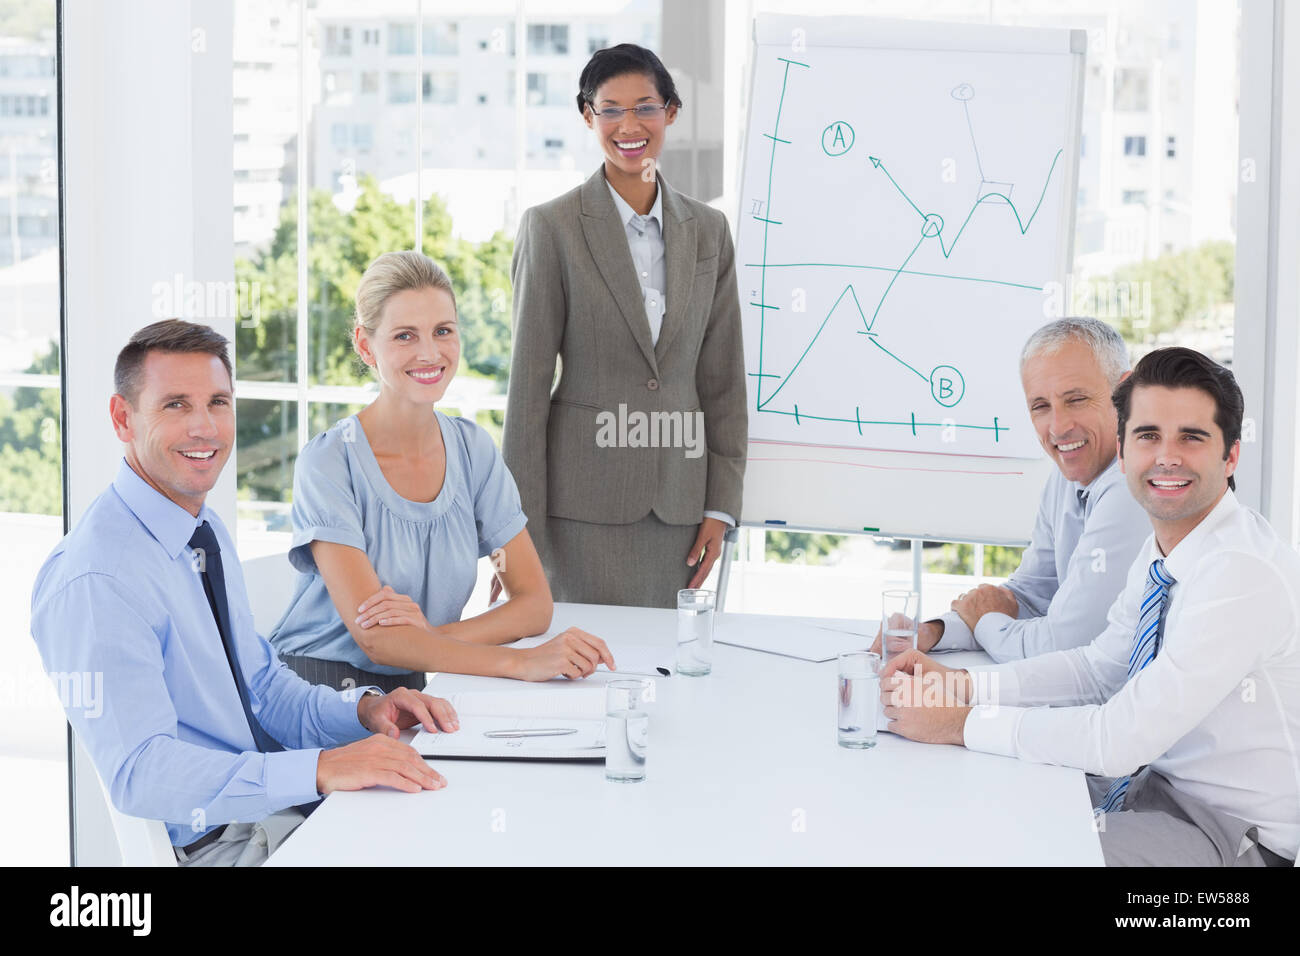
(427, 550)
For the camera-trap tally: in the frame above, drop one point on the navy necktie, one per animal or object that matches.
(1146, 645)
(207, 562)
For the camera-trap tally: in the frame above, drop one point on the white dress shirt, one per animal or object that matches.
(1218, 710)
(1077, 561)
(645, 240)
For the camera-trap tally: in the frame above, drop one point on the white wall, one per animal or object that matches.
(148, 181)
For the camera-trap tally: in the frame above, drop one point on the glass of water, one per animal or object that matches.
(899, 611)
(859, 699)
(627, 728)
(694, 632)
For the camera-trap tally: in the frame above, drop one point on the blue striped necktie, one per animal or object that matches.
(1146, 644)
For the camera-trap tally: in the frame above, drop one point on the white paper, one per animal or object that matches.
(790, 637)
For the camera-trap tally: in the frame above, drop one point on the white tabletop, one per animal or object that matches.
(742, 768)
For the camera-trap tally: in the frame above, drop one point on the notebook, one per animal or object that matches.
(579, 711)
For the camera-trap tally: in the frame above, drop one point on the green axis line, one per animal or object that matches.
(771, 168)
(907, 424)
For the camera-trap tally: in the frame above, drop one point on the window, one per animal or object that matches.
(338, 88)
(548, 39)
(339, 135)
(548, 89)
(1171, 147)
(1133, 197)
(441, 38)
(1131, 89)
(440, 87)
(597, 38)
(401, 87)
(1135, 146)
(338, 41)
(362, 136)
(369, 82)
(401, 38)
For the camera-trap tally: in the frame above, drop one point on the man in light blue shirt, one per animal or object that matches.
(201, 725)
(1089, 528)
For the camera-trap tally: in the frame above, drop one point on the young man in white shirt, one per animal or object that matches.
(1089, 528)
(1187, 705)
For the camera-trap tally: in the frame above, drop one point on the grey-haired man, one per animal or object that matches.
(1089, 528)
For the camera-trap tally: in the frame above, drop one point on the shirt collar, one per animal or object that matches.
(1186, 553)
(626, 212)
(170, 524)
(1109, 475)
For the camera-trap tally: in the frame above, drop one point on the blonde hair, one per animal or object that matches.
(391, 273)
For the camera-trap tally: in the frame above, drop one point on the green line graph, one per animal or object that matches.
(946, 383)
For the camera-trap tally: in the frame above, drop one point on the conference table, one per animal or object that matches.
(742, 768)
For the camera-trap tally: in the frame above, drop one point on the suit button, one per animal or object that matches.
(653, 384)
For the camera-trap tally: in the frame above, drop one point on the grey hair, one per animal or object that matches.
(1107, 346)
(391, 273)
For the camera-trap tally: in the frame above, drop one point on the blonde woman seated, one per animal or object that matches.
(393, 507)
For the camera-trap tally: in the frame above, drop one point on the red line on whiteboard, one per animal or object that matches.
(944, 454)
(856, 464)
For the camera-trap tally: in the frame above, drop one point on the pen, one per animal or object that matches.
(539, 732)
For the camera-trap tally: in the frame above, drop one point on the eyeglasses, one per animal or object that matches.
(642, 111)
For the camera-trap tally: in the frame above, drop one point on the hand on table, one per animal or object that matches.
(573, 653)
(923, 700)
(402, 708)
(926, 637)
(376, 761)
(985, 599)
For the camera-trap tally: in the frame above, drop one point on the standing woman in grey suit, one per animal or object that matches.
(630, 470)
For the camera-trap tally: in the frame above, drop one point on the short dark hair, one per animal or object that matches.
(169, 335)
(618, 61)
(1186, 368)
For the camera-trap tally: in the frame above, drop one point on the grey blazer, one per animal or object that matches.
(576, 296)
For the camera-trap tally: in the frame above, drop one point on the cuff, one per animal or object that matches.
(300, 550)
(994, 685)
(291, 777)
(992, 729)
(503, 535)
(956, 635)
(340, 718)
(988, 627)
(722, 516)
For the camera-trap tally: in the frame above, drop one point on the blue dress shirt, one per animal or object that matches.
(1076, 563)
(120, 597)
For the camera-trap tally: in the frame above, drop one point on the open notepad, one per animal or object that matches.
(570, 708)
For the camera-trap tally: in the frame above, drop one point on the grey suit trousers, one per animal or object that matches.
(1162, 826)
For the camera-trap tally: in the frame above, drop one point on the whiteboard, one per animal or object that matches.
(906, 218)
